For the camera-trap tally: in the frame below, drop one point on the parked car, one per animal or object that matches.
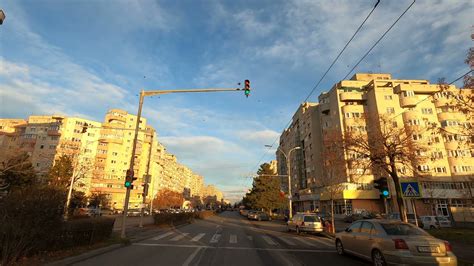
(305, 222)
(262, 216)
(358, 216)
(252, 215)
(393, 242)
(244, 212)
(435, 222)
(84, 212)
(410, 218)
(133, 212)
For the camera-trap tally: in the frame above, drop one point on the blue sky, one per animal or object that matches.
(83, 57)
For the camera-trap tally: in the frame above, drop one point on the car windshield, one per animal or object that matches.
(311, 218)
(399, 229)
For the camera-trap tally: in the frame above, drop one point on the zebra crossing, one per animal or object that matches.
(233, 239)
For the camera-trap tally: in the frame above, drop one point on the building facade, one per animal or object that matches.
(101, 154)
(446, 173)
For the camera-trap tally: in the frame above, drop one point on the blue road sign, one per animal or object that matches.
(410, 189)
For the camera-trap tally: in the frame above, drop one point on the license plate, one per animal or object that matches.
(428, 249)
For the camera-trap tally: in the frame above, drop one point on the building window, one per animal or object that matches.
(423, 168)
(388, 97)
(426, 111)
(440, 169)
(408, 94)
(390, 110)
(416, 136)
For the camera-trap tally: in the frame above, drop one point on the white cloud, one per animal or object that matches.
(262, 137)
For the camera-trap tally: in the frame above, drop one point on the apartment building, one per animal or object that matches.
(355, 105)
(101, 154)
(302, 133)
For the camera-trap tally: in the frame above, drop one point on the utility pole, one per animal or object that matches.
(147, 181)
(143, 94)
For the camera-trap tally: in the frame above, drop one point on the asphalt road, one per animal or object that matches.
(228, 239)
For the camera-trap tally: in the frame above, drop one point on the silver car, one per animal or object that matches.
(306, 222)
(393, 242)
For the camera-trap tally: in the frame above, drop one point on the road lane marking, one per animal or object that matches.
(191, 257)
(250, 238)
(304, 241)
(162, 236)
(199, 236)
(215, 238)
(179, 237)
(321, 241)
(233, 239)
(269, 240)
(237, 248)
(287, 241)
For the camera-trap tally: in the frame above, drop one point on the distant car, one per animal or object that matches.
(434, 222)
(252, 215)
(244, 212)
(133, 212)
(305, 222)
(262, 216)
(387, 242)
(410, 218)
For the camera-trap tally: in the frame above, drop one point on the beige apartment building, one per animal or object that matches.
(101, 154)
(446, 174)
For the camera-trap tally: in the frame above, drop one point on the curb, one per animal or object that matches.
(100, 251)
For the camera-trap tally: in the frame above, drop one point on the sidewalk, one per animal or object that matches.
(134, 234)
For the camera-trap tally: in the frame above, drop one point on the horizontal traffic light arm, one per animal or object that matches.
(157, 92)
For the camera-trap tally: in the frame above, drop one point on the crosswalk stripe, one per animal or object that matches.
(287, 241)
(215, 238)
(233, 239)
(269, 240)
(304, 241)
(324, 242)
(162, 236)
(179, 237)
(197, 237)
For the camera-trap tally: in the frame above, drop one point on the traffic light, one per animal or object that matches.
(247, 88)
(84, 128)
(129, 179)
(382, 185)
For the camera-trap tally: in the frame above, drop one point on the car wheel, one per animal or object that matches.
(377, 258)
(297, 230)
(339, 247)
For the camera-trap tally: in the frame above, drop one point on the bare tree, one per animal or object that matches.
(334, 178)
(388, 149)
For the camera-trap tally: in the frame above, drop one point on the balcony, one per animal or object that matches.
(408, 101)
(440, 102)
(111, 118)
(110, 140)
(101, 155)
(352, 96)
(450, 116)
(324, 107)
(54, 132)
(410, 115)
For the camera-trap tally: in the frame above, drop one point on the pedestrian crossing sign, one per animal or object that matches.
(410, 189)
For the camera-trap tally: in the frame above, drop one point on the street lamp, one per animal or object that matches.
(288, 165)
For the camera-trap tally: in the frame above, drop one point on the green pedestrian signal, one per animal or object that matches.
(128, 183)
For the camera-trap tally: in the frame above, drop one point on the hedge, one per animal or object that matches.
(31, 222)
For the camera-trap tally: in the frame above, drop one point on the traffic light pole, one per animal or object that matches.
(146, 186)
(143, 94)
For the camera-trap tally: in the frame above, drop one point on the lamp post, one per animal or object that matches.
(288, 165)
